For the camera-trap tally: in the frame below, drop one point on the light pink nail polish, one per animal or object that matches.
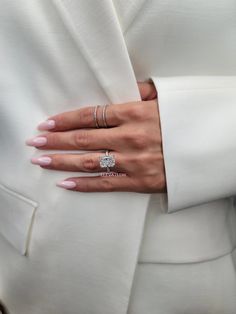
(41, 161)
(67, 184)
(47, 125)
(36, 141)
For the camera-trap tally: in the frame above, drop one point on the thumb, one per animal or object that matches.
(147, 90)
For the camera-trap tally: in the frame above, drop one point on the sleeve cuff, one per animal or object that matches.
(198, 124)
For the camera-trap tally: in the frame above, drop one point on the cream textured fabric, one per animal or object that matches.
(204, 288)
(74, 253)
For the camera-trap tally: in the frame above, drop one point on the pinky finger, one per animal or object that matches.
(99, 184)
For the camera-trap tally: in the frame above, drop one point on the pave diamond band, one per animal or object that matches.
(107, 161)
(97, 116)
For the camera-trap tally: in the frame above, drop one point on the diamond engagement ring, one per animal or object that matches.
(107, 161)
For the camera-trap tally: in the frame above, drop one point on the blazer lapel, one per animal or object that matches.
(98, 35)
(96, 30)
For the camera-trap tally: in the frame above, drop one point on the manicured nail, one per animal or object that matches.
(36, 141)
(67, 184)
(47, 125)
(41, 161)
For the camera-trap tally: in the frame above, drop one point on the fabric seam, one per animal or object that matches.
(189, 262)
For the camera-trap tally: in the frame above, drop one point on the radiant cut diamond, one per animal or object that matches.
(107, 161)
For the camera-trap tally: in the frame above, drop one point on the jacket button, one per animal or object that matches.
(3, 309)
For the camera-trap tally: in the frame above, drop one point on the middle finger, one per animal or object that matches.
(84, 139)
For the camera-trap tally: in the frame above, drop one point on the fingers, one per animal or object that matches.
(82, 118)
(85, 139)
(99, 184)
(117, 180)
(93, 116)
(78, 162)
(147, 90)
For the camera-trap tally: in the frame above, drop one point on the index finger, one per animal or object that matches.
(81, 118)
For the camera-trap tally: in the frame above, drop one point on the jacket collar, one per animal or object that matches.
(96, 30)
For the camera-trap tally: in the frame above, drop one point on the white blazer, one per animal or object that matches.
(76, 253)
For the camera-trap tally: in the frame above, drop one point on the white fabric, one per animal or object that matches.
(200, 111)
(81, 251)
(16, 218)
(209, 232)
(197, 288)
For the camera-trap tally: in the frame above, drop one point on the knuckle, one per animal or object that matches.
(152, 160)
(52, 139)
(89, 164)
(81, 139)
(149, 183)
(126, 137)
(135, 161)
(57, 162)
(60, 120)
(85, 115)
(137, 112)
(153, 183)
(84, 186)
(139, 139)
(108, 185)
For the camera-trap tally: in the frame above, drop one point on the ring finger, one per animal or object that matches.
(84, 162)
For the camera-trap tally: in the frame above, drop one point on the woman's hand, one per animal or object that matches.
(133, 136)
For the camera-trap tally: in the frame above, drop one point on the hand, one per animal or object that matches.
(133, 137)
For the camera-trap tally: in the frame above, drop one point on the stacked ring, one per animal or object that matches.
(104, 119)
(104, 108)
(96, 117)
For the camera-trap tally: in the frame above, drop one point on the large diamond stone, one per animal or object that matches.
(107, 161)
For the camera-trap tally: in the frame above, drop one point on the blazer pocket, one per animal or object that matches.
(16, 218)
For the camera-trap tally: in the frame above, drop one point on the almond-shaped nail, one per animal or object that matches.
(36, 141)
(41, 161)
(47, 125)
(67, 184)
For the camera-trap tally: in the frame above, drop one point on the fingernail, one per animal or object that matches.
(47, 125)
(41, 161)
(67, 184)
(36, 141)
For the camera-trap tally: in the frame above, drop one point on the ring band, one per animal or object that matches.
(107, 161)
(95, 116)
(104, 108)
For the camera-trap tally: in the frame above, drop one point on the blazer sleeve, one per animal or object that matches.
(198, 124)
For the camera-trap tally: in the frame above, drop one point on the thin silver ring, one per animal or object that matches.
(95, 116)
(104, 108)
